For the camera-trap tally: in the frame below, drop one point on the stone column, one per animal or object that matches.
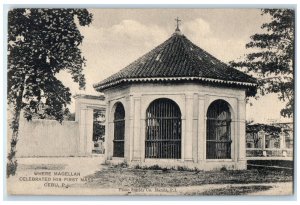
(131, 125)
(77, 109)
(183, 136)
(241, 125)
(136, 129)
(201, 129)
(142, 132)
(89, 119)
(82, 130)
(195, 126)
(127, 142)
(109, 132)
(188, 141)
(85, 131)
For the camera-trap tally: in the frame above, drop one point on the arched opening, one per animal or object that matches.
(163, 130)
(119, 130)
(218, 132)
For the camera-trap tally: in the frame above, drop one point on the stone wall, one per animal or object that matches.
(48, 138)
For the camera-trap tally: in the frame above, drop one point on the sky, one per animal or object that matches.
(117, 37)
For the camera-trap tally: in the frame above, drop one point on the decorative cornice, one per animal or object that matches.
(100, 87)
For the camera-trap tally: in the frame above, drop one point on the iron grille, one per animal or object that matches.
(119, 131)
(163, 130)
(218, 136)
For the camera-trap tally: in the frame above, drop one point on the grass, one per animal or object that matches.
(126, 177)
(164, 169)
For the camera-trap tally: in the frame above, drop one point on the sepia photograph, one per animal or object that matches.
(150, 101)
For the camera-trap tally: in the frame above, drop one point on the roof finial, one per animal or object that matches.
(177, 24)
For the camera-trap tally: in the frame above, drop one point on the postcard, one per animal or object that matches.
(193, 101)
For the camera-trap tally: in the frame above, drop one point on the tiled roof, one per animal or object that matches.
(178, 59)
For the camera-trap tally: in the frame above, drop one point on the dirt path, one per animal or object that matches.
(278, 189)
(27, 181)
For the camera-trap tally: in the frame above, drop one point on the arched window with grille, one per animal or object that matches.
(163, 130)
(218, 132)
(119, 130)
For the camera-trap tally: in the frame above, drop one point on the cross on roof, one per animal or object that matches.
(177, 24)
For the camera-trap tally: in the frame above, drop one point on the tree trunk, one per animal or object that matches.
(11, 166)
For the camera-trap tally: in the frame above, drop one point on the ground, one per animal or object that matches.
(90, 176)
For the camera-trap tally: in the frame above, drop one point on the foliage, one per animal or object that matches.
(98, 127)
(70, 117)
(98, 131)
(40, 114)
(270, 129)
(273, 60)
(253, 130)
(41, 43)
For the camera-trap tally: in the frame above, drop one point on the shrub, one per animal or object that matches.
(154, 167)
(123, 165)
(180, 168)
(137, 166)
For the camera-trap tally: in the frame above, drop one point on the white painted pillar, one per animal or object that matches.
(188, 141)
(89, 119)
(107, 131)
(82, 131)
(127, 142)
(142, 132)
(85, 131)
(201, 129)
(136, 129)
(131, 125)
(77, 109)
(241, 125)
(183, 136)
(195, 127)
(110, 133)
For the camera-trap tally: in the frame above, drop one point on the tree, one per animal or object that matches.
(98, 126)
(273, 61)
(41, 43)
